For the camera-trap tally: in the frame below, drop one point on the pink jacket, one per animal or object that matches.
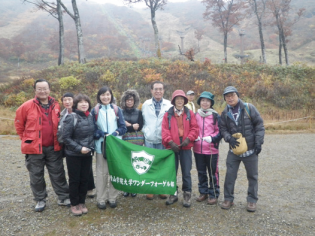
(206, 128)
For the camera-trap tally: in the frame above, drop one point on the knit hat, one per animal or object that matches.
(208, 95)
(230, 89)
(179, 93)
(68, 95)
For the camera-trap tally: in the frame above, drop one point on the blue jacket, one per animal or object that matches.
(107, 123)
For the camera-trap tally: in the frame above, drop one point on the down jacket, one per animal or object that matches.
(191, 129)
(132, 115)
(207, 128)
(28, 125)
(253, 130)
(80, 135)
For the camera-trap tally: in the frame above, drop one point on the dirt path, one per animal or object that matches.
(286, 203)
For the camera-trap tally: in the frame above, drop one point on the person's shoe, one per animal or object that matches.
(149, 196)
(65, 202)
(126, 194)
(76, 210)
(212, 201)
(91, 193)
(40, 206)
(163, 196)
(112, 204)
(101, 205)
(83, 208)
(201, 197)
(133, 195)
(171, 199)
(226, 205)
(187, 201)
(251, 207)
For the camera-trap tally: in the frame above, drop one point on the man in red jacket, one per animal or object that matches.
(36, 123)
(179, 131)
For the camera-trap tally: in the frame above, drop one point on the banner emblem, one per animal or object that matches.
(141, 161)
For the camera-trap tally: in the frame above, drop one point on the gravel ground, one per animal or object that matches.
(286, 203)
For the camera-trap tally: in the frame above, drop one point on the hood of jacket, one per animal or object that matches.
(133, 93)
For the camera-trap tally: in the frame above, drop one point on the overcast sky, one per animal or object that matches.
(120, 2)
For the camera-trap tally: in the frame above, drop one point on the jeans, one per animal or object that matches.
(185, 159)
(208, 162)
(154, 145)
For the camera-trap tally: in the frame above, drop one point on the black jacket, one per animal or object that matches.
(253, 129)
(133, 116)
(80, 135)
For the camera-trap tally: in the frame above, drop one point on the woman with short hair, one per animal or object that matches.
(79, 132)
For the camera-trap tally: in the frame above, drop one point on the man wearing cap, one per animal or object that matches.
(240, 117)
(179, 131)
(153, 111)
(190, 104)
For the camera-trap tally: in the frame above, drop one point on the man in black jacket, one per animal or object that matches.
(240, 117)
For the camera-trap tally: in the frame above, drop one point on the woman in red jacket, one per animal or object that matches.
(179, 131)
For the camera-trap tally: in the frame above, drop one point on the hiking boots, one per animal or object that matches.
(65, 202)
(201, 197)
(126, 194)
(76, 210)
(226, 205)
(187, 201)
(212, 201)
(91, 193)
(149, 196)
(83, 208)
(133, 195)
(171, 199)
(251, 207)
(40, 206)
(112, 204)
(101, 205)
(163, 196)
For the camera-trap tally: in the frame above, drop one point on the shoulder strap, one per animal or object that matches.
(115, 110)
(187, 111)
(247, 109)
(96, 110)
(75, 120)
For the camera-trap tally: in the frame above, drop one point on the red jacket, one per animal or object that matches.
(28, 125)
(191, 129)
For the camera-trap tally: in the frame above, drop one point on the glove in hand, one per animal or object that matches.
(258, 149)
(185, 143)
(196, 140)
(208, 139)
(174, 146)
(233, 143)
(114, 133)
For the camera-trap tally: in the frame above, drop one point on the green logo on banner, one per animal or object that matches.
(141, 161)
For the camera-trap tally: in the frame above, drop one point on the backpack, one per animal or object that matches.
(169, 116)
(60, 127)
(97, 109)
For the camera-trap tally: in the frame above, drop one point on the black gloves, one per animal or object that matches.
(258, 149)
(233, 143)
(185, 143)
(174, 146)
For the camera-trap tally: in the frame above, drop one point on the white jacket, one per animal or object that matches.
(152, 125)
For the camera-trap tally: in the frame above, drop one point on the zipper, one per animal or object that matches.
(106, 119)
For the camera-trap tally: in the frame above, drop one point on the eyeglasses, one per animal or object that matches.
(42, 89)
(229, 95)
(158, 89)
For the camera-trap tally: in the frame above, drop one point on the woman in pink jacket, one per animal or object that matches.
(206, 149)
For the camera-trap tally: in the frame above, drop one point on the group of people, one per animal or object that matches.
(78, 132)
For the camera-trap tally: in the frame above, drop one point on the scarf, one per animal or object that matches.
(207, 112)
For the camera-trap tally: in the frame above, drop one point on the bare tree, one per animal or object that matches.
(76, 17)
(54, 9)
(280, 10)
(198, 35)
(259, 9)
(153, 5)
(224, 14)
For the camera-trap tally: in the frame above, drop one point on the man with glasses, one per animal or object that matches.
(36, 123)
(153, 111)
(240, 117)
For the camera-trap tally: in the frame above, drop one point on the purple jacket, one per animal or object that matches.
(206, 128)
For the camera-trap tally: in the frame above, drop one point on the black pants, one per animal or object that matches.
(203, 163)
(79, 169)
(91, 184)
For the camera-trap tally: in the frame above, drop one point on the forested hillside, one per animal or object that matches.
(29, 38)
